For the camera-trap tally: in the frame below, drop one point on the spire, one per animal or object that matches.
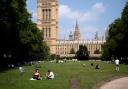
(77, 32)
(77, 26)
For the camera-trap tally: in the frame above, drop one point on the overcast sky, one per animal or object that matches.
(92, 15)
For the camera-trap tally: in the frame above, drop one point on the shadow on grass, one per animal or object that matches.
(3, 70)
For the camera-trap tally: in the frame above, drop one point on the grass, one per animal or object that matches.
(88, 76)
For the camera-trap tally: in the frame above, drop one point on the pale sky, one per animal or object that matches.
(92, 15)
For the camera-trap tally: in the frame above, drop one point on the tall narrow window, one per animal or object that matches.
(46, 14)
(46, 32)
(43, 14)
(49, 14)
(49, 32)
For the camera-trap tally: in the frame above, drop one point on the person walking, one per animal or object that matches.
(117, 64)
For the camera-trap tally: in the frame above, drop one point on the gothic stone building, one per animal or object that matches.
(47, 22)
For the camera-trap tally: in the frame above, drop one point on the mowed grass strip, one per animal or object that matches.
(87, 75)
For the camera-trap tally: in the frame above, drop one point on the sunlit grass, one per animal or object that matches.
(88, 75)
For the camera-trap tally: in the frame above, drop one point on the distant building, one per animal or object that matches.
(64, 46)
(47, 22)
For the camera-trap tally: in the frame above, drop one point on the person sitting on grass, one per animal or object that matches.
(91, 64)
(50, 74)
(36, 75)
(97, 66)
(21, 69)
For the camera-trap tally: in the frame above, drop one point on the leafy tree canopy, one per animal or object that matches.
(82, 53)
(19, 36)
(72, 51)
(117, 41)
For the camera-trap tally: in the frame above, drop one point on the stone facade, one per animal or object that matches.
(47, 22)
(64, 46)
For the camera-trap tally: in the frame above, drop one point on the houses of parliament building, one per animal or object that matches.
(47, 22)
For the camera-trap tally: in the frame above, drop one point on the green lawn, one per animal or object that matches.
(88, 76)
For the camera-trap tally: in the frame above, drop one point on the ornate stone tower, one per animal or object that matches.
(47, 21)
(71, 36)
(77, 32)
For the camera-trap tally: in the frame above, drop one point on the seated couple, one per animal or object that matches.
(37, 75)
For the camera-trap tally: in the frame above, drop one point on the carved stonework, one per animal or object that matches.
(47, 21)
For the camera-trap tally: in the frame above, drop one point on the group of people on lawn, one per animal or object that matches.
(50, 74)
(37, 75)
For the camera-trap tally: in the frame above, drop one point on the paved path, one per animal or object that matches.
(74, 82)
(121, 83)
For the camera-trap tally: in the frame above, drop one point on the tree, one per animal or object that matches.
(114, 40)
(12, 17)
(55, 57)
(117, 40)
(20, 39)
(82, 53)
(34, 47)
(72, 51)
(97, 51)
